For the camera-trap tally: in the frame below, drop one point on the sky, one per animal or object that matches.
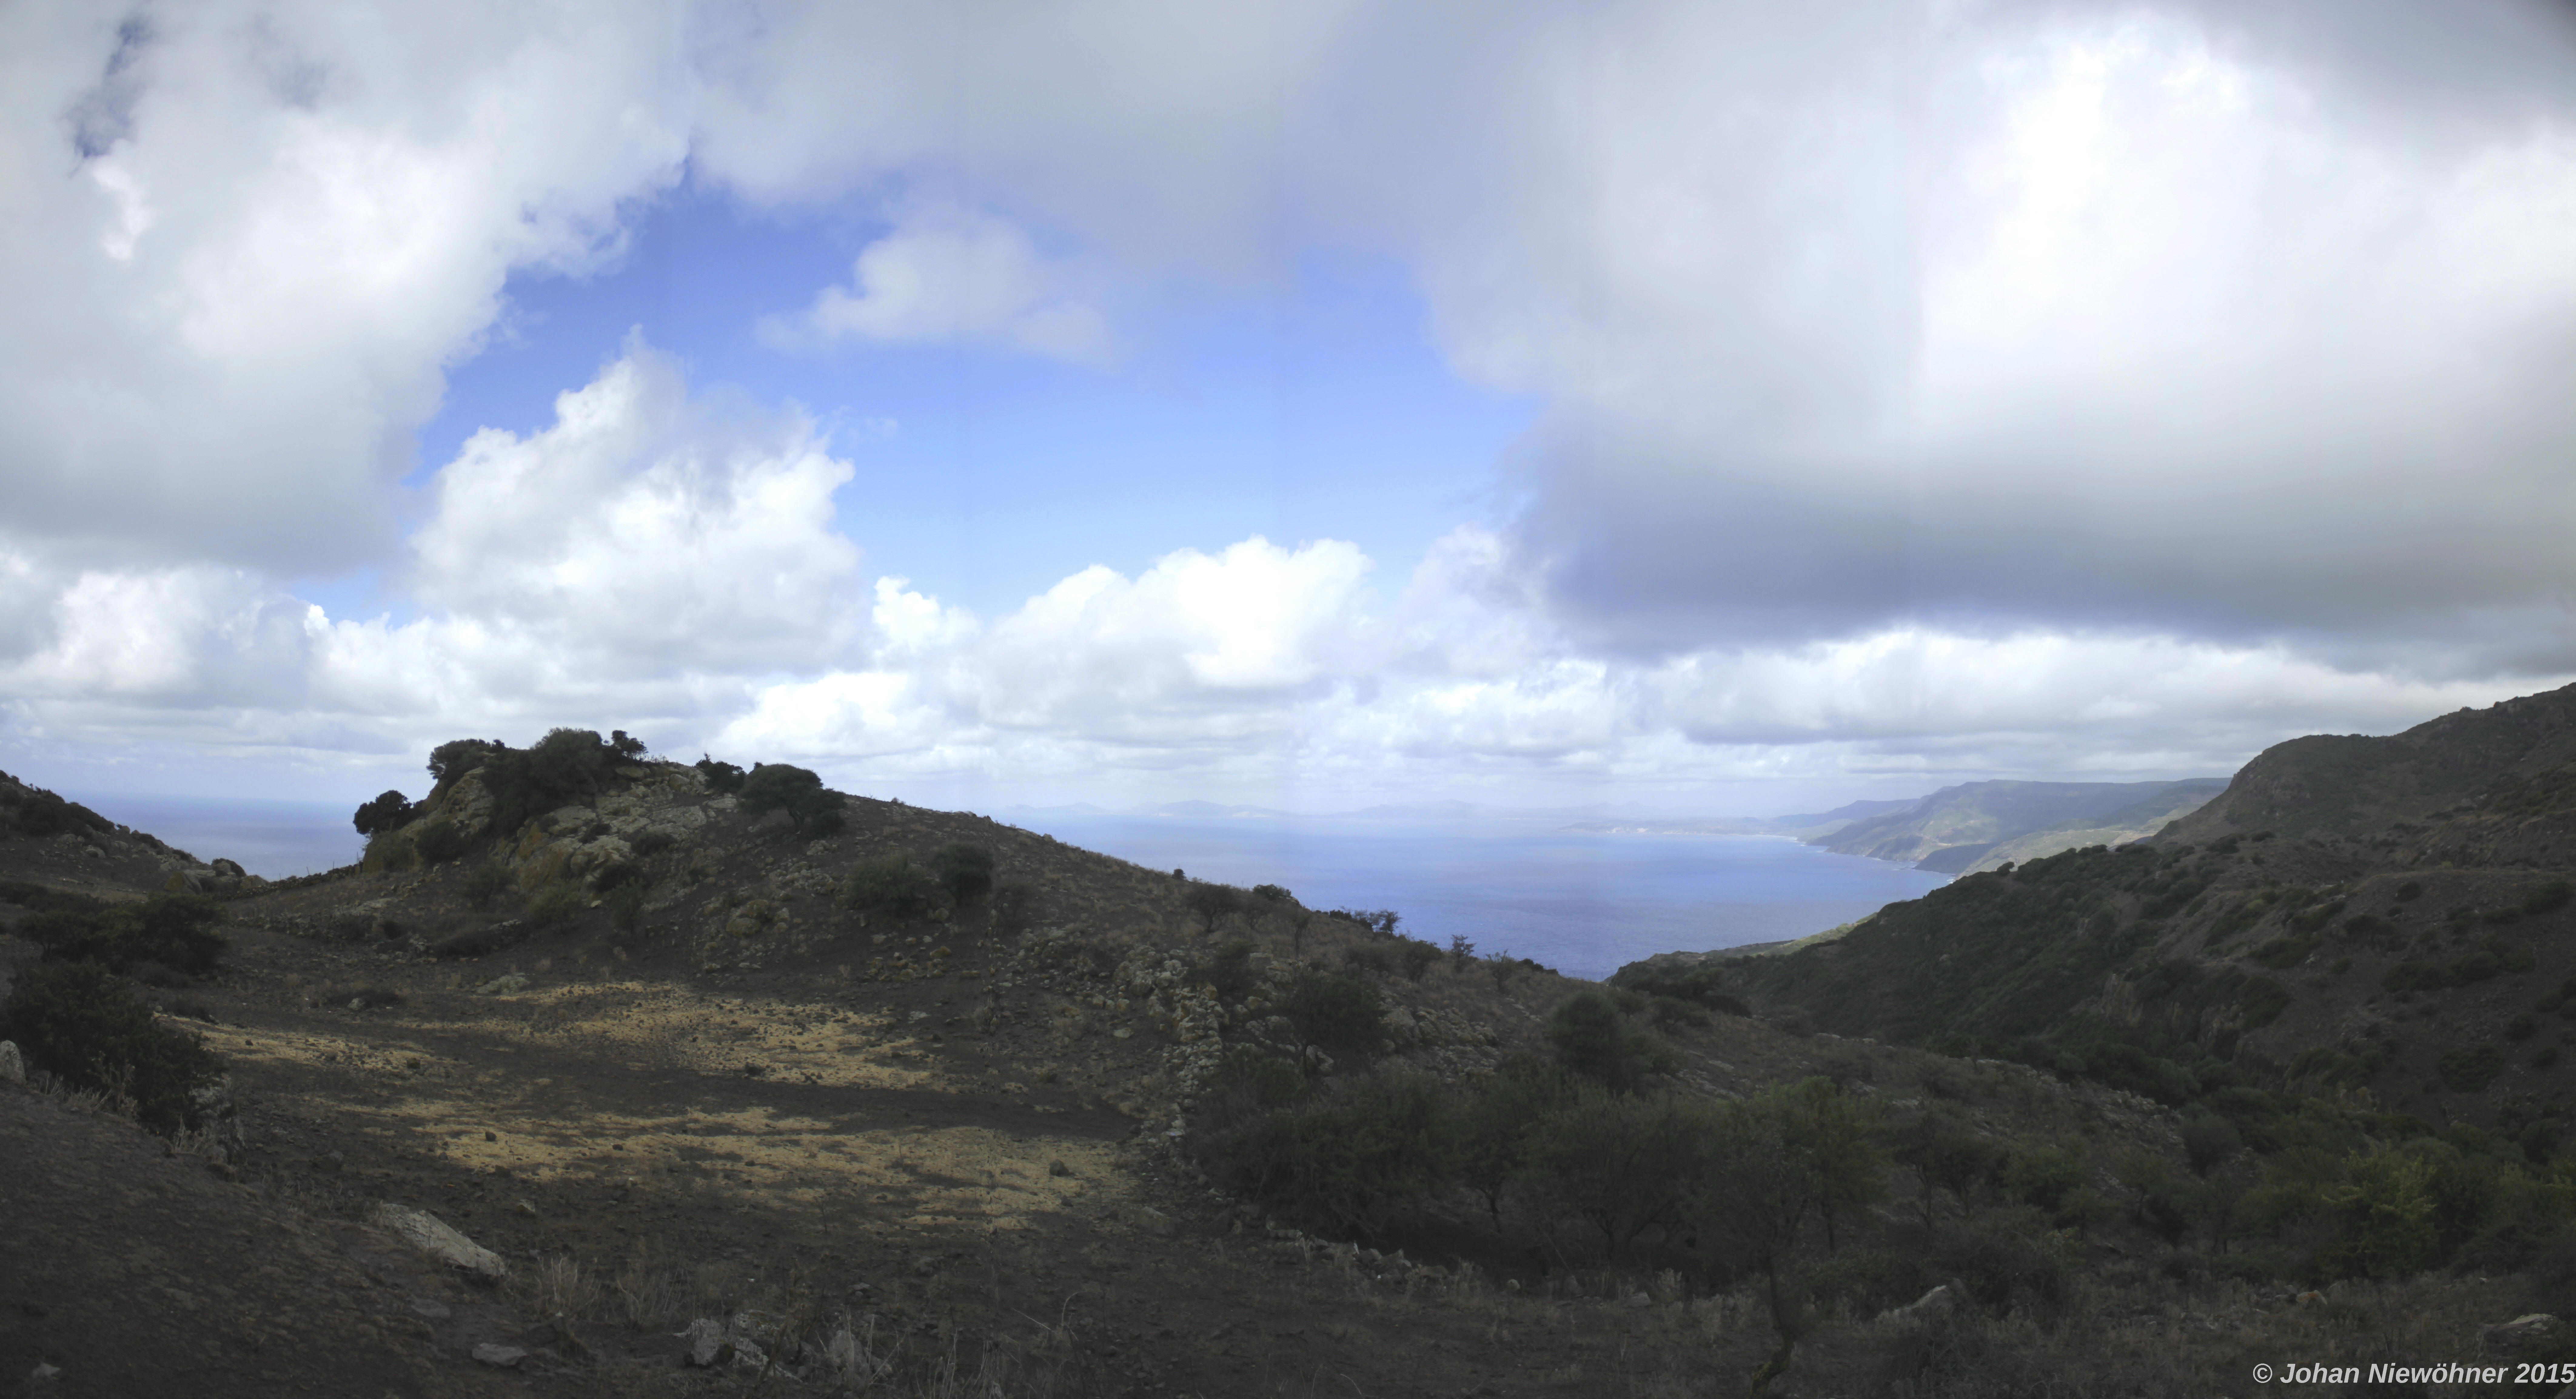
(1683, 407)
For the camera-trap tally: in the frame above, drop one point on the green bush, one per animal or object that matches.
(1013, 902)
(1229, 973)
(1415, 957)
(438, 842)
(41, 813)
(1594, 1037)
(1272, 893)
(171, 930)
(797, 791)
(452, 760)
(653, 843)
(626, 907)
(892, 887)
(721, 777)
(78, 1022)
(2548, 898)
(1350, 1160)
(1339, 1013)
(488, 879)
(965, 871)
(557, 904)
(386, 813)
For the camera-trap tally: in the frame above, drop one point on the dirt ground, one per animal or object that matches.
(943, 1156)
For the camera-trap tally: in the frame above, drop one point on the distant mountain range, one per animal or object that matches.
(1986, 825)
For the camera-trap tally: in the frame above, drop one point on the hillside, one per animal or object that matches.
(1954, 828)
(749, 1085)
(2383, 919)
(2136, 821)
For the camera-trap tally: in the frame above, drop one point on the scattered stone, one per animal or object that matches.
(2526, 1332)
(433, 1236)
(1934, 1303)
(524, 1207)
(503, 985)
(13, 1066)
(93, 852)
(1054, 1168)
(43, 1374)
(505, 1357)
(1640, 1300)
(430, 1307)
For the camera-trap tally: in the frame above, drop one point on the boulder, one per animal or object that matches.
(433, 1236)
(505, 1357)
(228, 867)
(2530, 1332)
(13, 1066)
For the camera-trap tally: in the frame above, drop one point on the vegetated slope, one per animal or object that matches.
(2136, 821)
(1956, 825)
(913, 1102)
(2381, 917)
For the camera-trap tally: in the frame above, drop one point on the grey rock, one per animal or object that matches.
(431, 1307)
(13, 1066)
(229, 867)
(506, 1357)
(433, 1236)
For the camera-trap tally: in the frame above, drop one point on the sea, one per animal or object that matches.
(1581, 901)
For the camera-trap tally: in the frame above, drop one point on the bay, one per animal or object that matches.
(1581, 902)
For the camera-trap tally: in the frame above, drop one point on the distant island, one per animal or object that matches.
(1965, 829)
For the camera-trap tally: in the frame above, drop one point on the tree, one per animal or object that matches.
(386, 813)
(1623, 1165)
(966, 871)
(1212, 902)
(784, 787)
(1593, 1037)
(1485, 1134)
(1830, 1136)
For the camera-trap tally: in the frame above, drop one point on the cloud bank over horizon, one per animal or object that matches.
(1915, 393)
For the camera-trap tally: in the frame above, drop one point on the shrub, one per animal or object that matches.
(1623, 1165)
(2548, 898)
(556, 905)
(1013, 899)
(1350, 1160)
(965, 871)
(721, 777)
(1229, 973)
(891, 886)
(1272, 893)
(625, 747)
(1212, 902)
(653, 843)
(78, 1022)
(1462, 953)
(565, 765)
(386, 813)
(626, 907)
(2470, 1068)
(1339, 1013)
(41, 813)
(438, 842)
(452, 760)
(1371, 961)
(1415, 957)
(785, 787)
(2409, 892)
(488, 879)
(173, 930)
(1592, 1036)
(2209, 1140)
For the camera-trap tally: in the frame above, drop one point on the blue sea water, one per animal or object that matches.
(1582, 902)
(270, 838)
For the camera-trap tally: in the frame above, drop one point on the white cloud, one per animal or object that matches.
(953, 278)
(247, 239)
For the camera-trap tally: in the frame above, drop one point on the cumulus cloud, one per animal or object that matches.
(247, 239)
(1958, 386)
(953, 278)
